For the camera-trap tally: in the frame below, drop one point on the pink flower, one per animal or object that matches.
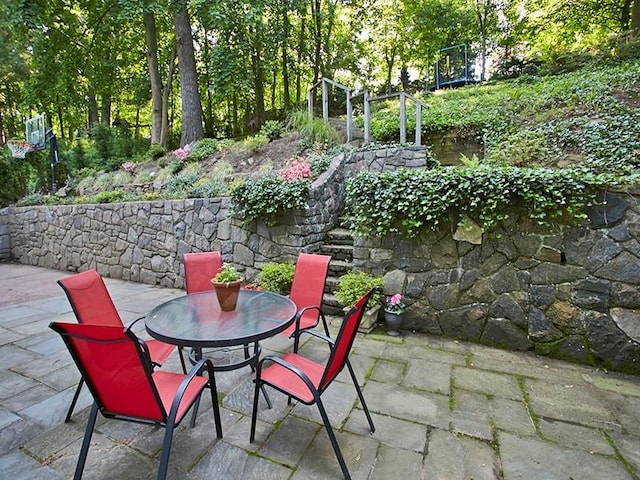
(394, 304)
(182, 153)
(298, 168)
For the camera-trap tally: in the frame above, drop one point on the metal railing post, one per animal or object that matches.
(349, 117)
(403, 121)
(418, 140)
(325, 101)
(367, 118)
(310, 102)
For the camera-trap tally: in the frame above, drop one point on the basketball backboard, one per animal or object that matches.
(35, 132)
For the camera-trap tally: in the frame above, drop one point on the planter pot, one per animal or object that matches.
(394, 321)
(369, 319)
(227, 294)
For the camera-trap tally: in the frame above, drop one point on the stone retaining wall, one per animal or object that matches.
(569, 293)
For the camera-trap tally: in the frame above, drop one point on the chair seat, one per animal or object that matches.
(159, 351)
(168, 383)
(309, 319)
(283, 379)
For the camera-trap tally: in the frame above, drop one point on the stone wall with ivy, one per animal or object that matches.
(570, 293)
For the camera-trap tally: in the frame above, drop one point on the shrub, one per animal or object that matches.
(156, 151)
(203, 148)
(276, 277)
(313, 130)
(354, 285)
(272, 129)
(110, 196)
(267, 197)
(254, 143)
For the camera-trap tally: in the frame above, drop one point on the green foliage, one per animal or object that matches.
(227, 274)
(314, 130)
(276, 277)
(354, 285)
(156, 151)
(409, 202)
(203, 148)
(110, 196)
(272, 129)
(254, 143)
(267, 197)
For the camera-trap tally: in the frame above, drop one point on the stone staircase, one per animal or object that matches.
(339, 244)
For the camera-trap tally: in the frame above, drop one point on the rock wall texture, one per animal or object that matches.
(570, 292)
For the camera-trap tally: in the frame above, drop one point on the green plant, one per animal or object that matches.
(354, 285)
(156, 151)
(110, 196)
(276, 277)
(254, 143)
(267, 197)
(227, 274)
(409, 201)
(313, 130)
(203, 148)
(272, 129)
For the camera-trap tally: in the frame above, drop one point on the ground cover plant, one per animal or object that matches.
(551, 143)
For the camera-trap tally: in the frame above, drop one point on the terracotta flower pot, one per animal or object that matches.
(227, 293)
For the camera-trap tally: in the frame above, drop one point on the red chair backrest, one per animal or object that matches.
(116, 369)
(307, 288)
(90, 299)
(199, 269)
(344, 341)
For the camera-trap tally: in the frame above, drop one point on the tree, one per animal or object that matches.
(192, 126)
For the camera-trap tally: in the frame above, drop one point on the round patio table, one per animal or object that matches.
(196, 320)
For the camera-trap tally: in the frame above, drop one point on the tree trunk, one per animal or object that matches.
(154, 77)
(192, 128)
(93, 109)
(105, 111)
(164, 132)
(301, 44)
(635, 18)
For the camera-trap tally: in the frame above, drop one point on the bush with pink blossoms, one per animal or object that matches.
(297, 168)
(182, 153)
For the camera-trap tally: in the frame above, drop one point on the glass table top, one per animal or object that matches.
(196, 319)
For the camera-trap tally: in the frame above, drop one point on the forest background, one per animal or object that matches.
(176, 71)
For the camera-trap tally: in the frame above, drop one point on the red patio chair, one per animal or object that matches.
(307, 290)
(306, 380)
(118, 370)
(92, 304)
(199, 269)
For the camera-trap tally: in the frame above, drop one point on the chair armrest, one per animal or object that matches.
(195, 371)
(299, 314)
(293, 369)
(321, 336)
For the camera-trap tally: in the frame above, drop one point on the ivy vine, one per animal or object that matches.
(267, 197)
(410, 201)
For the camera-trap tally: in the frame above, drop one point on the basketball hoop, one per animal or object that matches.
(19, 148)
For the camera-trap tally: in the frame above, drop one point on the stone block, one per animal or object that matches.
(504, 333)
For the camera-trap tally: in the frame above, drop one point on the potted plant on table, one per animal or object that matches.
(393, 311)
(227, 284)
(354, 285)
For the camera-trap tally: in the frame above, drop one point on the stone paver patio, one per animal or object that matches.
(443, 410)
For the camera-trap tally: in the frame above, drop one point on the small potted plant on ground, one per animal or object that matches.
(354, 285)
(227, 286)
(393, 310)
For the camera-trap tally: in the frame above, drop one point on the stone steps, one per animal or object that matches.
(338, 244)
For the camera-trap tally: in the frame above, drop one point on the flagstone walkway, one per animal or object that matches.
(443, 410)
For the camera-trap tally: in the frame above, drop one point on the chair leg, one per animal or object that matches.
(360, 396)
(166, 449)
(215, 406)
(74, 400)
(181, 354)
(334, 441)
(254, 412)
(86, 442)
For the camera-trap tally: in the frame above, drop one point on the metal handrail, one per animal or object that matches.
(403, 96)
